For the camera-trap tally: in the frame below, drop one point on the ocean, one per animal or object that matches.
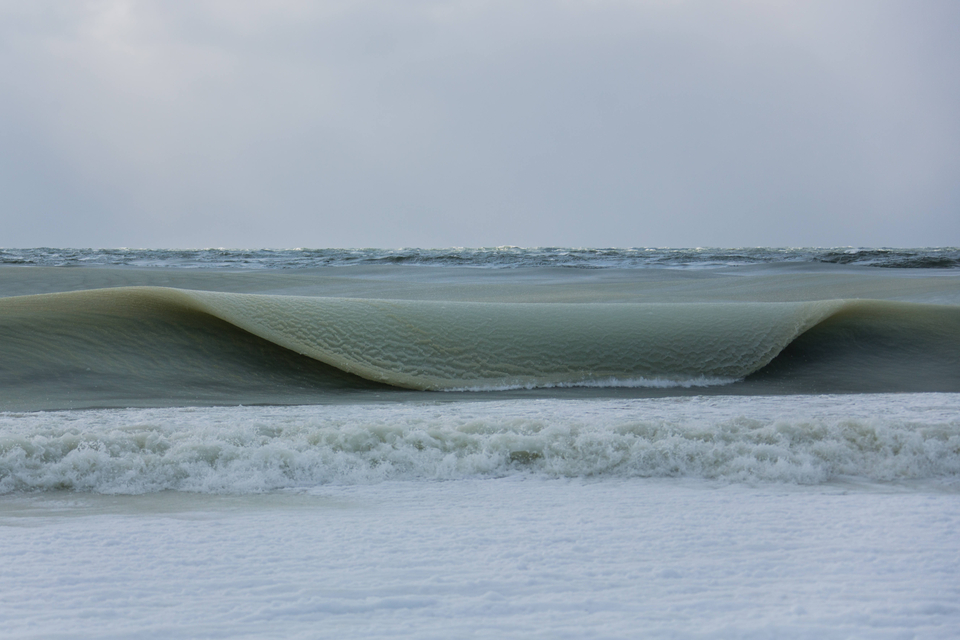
(503, 442)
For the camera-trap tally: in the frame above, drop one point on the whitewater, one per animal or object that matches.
(507, 442)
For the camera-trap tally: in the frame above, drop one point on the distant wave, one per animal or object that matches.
(489, 258)
(241, 450)
(124, 343)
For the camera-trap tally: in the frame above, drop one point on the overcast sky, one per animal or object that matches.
(286, 123)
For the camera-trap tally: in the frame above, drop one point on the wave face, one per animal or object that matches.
(806, 440)
(116, 345)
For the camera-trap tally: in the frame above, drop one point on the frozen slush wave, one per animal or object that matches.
(159, 341)
(240, 450)
(432, 345)
(442, 345)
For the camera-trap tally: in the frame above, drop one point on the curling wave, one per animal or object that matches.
(114, 344)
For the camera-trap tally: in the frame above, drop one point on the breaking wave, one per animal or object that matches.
(806, 440)
(149, 340)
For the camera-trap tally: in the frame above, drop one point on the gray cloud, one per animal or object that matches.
(425, 123)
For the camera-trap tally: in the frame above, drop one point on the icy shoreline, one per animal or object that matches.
(514, 557)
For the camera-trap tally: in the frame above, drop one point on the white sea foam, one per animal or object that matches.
(807, 440)
(613, 383)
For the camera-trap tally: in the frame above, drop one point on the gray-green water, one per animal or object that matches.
(383, 331)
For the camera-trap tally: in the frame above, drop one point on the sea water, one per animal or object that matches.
(815, 493)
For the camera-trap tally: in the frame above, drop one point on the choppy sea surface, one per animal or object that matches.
(489, 257)
(503, 442)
